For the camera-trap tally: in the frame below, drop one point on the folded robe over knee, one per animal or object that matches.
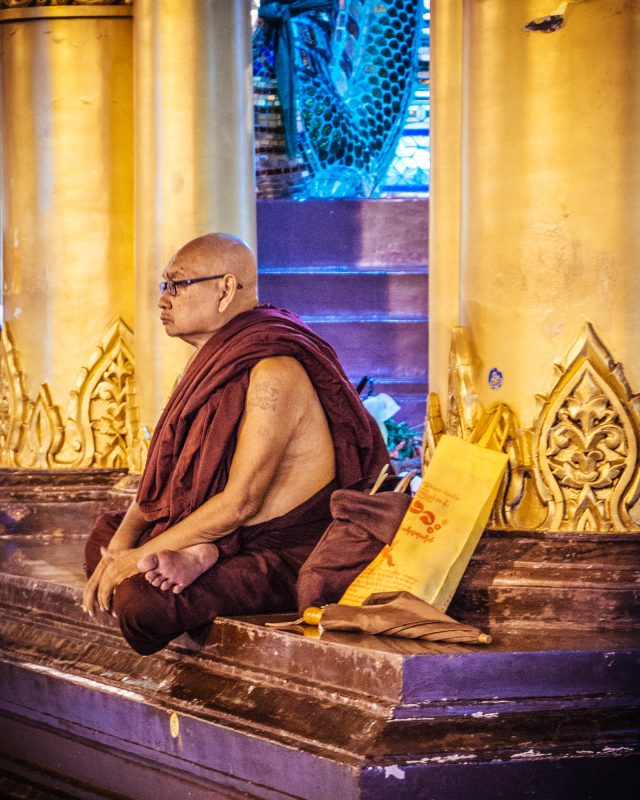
(189, 460)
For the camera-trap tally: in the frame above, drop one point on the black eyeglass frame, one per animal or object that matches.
(172, 286)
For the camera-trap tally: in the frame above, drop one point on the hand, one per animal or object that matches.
(114, 567)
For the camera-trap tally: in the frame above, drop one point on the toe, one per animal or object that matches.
(177, 588)
(166, 585)
(158, 580)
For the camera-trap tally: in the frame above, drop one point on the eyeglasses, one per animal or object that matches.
(172, 286)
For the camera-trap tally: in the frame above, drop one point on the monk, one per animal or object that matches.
(261, 428)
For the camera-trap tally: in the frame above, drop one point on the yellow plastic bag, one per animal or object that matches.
(437, 536)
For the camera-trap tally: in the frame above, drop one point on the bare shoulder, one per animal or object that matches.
(282, 370)
(284, 366)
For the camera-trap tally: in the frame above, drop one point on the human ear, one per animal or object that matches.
(227, 294)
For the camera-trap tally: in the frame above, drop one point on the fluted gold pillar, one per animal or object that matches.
(445, 200)
(67, 188)
(194, 155)
(535, 240)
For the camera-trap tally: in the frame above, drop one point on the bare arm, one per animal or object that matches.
(131, 528)
(270, 417)
(272, 412)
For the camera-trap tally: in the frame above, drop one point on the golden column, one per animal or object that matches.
(67, 231)
(194, 155)
(535, 253)
(73, 285)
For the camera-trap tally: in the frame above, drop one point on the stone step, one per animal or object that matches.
(380, 348)
(357, 272)
(346, 291)
(382, 232)
(261, 713)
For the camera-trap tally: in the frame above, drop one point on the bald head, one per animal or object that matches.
(194, 309)
(218, 253)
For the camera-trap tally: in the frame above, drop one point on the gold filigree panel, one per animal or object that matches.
(587, 442)
(14, 403)
(44, 434)
(576, 468)
(102, 428)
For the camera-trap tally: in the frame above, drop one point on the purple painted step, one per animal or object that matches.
(370, 346)
(353, 232)
(346, 291)
(357, 272)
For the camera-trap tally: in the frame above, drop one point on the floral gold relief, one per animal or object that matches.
(102, 427)
(587, 443)
(103, 408)
(576, 468)
(14, 403)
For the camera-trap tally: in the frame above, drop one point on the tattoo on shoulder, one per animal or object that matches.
(264, 395)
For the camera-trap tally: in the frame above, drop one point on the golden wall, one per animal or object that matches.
(535, 248)
(67, 216)
(93, 95)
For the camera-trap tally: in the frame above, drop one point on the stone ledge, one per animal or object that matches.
(266, 713)
(334, 711)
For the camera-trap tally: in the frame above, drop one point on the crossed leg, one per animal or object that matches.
(250, 583)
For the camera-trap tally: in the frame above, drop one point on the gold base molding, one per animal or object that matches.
(102, 428)
(27, 10)
(57, 3)
(576, 468)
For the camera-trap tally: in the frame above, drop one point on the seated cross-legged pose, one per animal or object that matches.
(260, 429)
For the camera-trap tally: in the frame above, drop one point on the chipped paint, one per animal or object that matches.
(142, 683)
(452, 758)
(394, 771)
(530, 754)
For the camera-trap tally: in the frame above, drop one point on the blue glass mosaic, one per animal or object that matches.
(360, 73)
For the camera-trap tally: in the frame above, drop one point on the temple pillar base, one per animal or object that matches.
(550, 705)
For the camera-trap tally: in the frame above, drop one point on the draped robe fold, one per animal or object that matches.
(189, 460)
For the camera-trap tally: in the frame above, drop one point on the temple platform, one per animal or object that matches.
(548, 710)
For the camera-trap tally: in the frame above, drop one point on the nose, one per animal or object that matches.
(164, 301)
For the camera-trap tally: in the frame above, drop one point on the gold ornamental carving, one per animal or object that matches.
(587, 442)
(44, 434)
(463, 407)
(576, 468)
(14, 403)
(102, 428)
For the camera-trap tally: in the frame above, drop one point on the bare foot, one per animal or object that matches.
(176, 569)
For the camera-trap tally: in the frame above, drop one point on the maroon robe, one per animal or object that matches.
(189, 460)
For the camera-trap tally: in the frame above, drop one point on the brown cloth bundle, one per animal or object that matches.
(399, 614)
(362, 524)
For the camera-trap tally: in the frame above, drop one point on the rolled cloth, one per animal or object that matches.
(362, 525)
(194, 441)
